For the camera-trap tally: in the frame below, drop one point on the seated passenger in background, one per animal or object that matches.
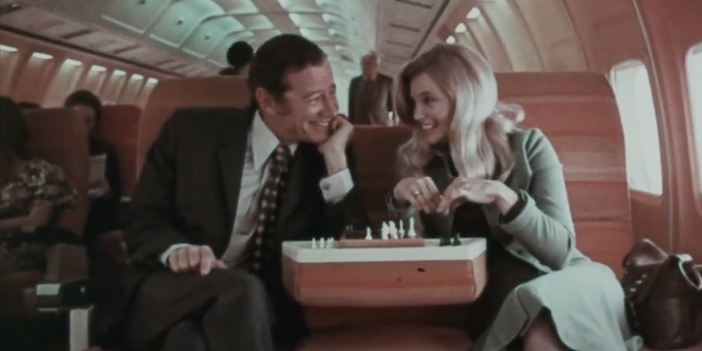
(467, 161)
(106, 193)
(239, 57)
(34, 194)
(220, 190)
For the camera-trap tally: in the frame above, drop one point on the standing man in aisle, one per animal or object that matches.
(371, 95)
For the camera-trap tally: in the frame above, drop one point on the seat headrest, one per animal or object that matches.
(172, 94)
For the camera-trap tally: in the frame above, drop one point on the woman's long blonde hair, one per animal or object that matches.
(480, 124)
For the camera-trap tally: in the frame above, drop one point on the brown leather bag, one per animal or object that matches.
(663, 296)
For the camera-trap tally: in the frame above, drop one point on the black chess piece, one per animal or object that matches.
(456, 240)
(445, 241)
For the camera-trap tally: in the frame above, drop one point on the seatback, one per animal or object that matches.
(375, 149)
(579, 115)
(61, 138)
(172, 94)
(119, 127)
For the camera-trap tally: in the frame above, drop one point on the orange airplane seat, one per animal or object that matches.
(59, 137)
(119, 128)
(172, 94)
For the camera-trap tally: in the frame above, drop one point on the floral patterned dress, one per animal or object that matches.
(38, 182)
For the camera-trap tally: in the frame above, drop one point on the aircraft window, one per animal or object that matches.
(6, 48)
(146, 91)
(632, 89)
(694, 72)
(95, 78)
(64, 82)
(42, 56)
(130, 92)
(8, 62)
(113, 86)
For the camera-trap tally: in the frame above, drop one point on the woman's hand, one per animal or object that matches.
(479, 191)
(420, 192)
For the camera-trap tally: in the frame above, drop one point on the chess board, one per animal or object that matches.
(357, 240)
(384, 276)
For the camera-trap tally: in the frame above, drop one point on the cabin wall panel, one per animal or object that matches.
(48, 82)
(672, 27)
(609, 32)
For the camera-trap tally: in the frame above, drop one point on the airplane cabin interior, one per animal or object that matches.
(616, 86)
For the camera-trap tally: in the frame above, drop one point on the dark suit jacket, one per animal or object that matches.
(371, 107)
(189, 187)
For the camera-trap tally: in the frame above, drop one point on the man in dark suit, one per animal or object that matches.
(371, 95)
(219, 192)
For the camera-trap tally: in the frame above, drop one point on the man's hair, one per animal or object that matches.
(369, 56)
(87, 98)
(239, 55)
(279, 56)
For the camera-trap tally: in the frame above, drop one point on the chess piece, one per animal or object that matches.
(456, 240)
(322, 243)
(401, 230)
(330, 243)
(369, 235)
(314, 243)
(445, 241)
(393, 231)
(411, 233)
(384, 231)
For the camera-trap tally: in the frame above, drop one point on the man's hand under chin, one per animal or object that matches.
(334, 149)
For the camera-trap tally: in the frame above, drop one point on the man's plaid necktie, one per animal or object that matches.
(263, 241)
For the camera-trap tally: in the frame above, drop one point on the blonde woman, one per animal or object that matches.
(466, 160)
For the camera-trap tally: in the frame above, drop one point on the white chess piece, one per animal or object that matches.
(369, 235)
(330, 243)
(411, 233)
(401, 231)
(393, 231)
(322, 243)
(314, 243)
(384, 231)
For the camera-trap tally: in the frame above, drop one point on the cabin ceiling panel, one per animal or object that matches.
(63, 29)
(192, 36)
(207, 36)
(509, 26)
(31, 19)
(554, 35)
(237, 6)
(492, 46)
(595, 25)
(133, 15)
(99, 41)
(403, 29)
(180, 20)
(145, 55)
(87, 10)
(255, 22)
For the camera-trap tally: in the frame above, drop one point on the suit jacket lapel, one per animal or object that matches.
(234, 138)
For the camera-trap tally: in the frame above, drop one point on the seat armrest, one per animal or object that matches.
(66, 262)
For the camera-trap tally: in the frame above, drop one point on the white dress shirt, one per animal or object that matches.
(260, 146)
